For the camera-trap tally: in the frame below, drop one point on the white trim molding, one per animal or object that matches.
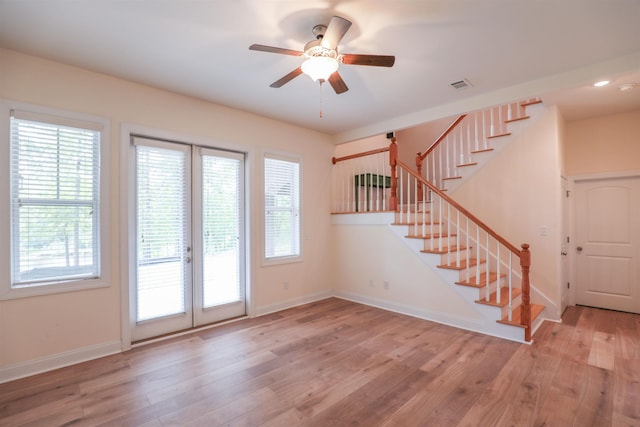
(60, 360)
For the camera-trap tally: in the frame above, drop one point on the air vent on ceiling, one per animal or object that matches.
(461, 84)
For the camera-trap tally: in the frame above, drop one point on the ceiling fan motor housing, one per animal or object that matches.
(314, 48)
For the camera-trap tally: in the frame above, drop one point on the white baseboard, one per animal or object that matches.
(283, 305)
(60, 360)
(491, 328)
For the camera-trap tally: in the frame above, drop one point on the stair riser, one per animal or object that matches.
(452, 257)
(514, 304)
(413, 218)
(481, 268)
(439, 242)
(425, 229)
(483, 291)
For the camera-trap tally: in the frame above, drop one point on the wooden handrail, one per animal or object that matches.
(462, 210)
(441, 137)
(524, 255)
(335, 160)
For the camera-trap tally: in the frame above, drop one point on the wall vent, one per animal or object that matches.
(461, 84)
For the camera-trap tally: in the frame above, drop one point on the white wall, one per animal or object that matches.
(518, 192)
(40, 330)
(366, 255)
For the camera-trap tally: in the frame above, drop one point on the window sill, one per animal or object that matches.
(9, 293)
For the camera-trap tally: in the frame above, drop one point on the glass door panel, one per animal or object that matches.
(163, 297)
(219, 201)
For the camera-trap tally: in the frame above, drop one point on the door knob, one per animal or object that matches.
(579, 248)
(563, 253)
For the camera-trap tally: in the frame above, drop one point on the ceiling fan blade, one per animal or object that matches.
(336, 29)
(286, 79)
(337, 83)
(374, 60)
(271, 49)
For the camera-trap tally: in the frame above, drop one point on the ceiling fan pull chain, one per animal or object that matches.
(321, 81)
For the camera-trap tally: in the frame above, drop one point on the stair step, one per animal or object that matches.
(504, 294)
(485, 150)
(429, 236)
(444, 250)
(517, 119)
(467, 164)
(499, 135)
(483, 280)
(536, 310)
(464, 263)
(451, 177)
(420, 222)
(531, 102)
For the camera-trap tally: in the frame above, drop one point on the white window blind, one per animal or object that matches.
(221, 227)
(282, 207)
(55, 205)
(162, 221)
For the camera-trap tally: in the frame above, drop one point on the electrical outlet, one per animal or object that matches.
(543, 230)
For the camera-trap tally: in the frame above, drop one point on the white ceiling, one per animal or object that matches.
(506, 48)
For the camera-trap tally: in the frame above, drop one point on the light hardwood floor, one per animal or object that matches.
(338, 363)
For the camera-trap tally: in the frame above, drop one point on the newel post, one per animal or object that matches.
(393, 157)
(525, 318)
(419, 169)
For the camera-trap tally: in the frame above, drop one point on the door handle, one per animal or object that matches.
(563, 253)
(188, 260)
(579, 248)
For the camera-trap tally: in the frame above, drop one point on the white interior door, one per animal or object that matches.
(190, 251)
(607, 218)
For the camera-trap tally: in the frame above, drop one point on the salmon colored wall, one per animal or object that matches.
(365, 144)
(419, 138)
(42, 331)
(371, 263)
(603, 144)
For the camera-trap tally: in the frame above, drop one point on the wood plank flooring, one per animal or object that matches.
(338, 363)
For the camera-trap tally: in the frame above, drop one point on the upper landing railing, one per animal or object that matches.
(467, 135)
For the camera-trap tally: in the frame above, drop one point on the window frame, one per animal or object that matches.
(285, 259)
(62, 118)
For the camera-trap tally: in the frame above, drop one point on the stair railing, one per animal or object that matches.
(362, 182)
(467, 135)
(488, 259)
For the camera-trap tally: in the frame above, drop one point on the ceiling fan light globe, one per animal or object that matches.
(319, 67)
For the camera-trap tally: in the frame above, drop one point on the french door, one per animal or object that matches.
(189, 212)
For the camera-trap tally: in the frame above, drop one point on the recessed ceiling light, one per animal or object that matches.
(602, 83)
(627, 87)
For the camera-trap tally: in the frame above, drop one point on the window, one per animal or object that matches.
(281, 208)
(55, 202)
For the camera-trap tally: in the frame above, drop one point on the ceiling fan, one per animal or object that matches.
(322, 57)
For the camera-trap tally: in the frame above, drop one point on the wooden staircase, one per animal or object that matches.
(473, 273)
(489, 272)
